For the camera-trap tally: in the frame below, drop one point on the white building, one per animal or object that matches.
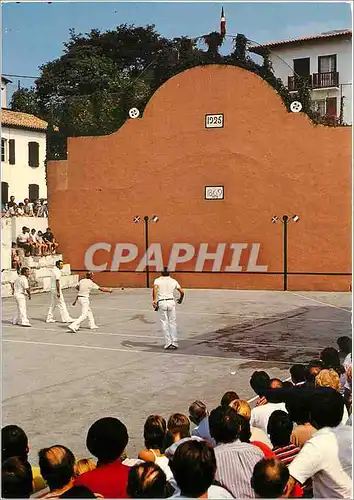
(325, 61)
(23, 151)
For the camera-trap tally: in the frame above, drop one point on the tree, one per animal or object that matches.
(25, 100)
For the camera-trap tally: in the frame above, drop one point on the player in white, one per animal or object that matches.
(163, 300)
(84, 288)
(20, 288)
(56, 296)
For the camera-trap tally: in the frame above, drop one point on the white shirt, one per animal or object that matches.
(166, 286)
(56, 275)
(85, 287)
(260, 414)
(23, 238)
(347, 363)
(327, 458)
(259, 435)
(21, 285)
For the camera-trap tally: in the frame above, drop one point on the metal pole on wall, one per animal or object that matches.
(146, 224)
(285, 251)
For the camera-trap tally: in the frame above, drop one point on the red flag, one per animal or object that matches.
(222, 23)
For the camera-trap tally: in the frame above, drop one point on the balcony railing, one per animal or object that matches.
(314, 81)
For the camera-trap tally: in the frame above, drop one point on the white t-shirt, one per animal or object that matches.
(20, 285)
(56, 275)
(347, 363)
(327, 458)
(23, 238)
(260, 414)
(85, 287)
(258, 434)
(166, 287)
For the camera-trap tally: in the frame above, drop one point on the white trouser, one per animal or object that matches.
(59, 302)
(167, 309)
(85, 313)
(21, 314)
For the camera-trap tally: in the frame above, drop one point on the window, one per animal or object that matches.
(327, 64)
(12, 151)
(33, 154)
(326, 107)
(3, 149)
(302, 67)
(4, 193)
(319, 106)
(33, 192)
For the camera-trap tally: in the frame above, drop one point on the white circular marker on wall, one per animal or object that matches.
(134, 113)
(296, 106)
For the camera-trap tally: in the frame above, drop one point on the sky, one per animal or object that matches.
(33, 33)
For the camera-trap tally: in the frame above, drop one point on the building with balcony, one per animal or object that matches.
(324, 61)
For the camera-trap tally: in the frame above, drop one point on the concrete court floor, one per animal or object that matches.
(56, 384)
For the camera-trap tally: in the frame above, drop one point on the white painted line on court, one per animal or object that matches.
(206, 356)
(320, 302)
(256, 397)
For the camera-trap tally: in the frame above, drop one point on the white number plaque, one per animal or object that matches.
(214, 121)
(214, 192)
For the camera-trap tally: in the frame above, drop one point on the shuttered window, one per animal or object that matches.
(12, 151)
(33, 154)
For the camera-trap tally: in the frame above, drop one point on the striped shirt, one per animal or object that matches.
(235, 462)
(286, 454)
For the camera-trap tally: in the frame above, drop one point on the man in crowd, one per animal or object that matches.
(23, 241)
(107, 439)
(16, 479)
(235, 460)
(21, 289)
(147, 480)
(50, 240)
(280, 428)
(164, 301)
(298, 374)
(199, 415)
(57, 466)
(269, 478)
(56, 296)
(84, 288)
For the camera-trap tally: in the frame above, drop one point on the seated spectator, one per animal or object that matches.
(13, 210)
(15, 259)
(194, 468)
(178, 431)
(330, 378)
(57, 466)
(245, 437)
(45, 247)
(14, 443)
(313, 369)
(228, 398)
(330, 358)
(84, 465)
(235, 460)
(16, 478)
(199, 415)
(327, 456)
(154, 438)
(275, 383)
(49, 239)
(298, 374)
(33, 243)
(107, 439)
(269, 478)
(147, 480)
(243, 408)
(20, 210)
(280, 427)
(28, 208)
(260, 414)
(23, 241)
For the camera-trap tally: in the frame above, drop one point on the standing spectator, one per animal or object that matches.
(84, 289)
(50, 240)
(280, 428)
(269, 478)
(147, 480)
(56, 296)
(235, 460)
(199, 415)
(28, 208)
(107, 439)
(16, 478)
(12, 202)
(164, 301)
(194, 468)
(20, 212)
(327, 456)
(298, 374)
(20, 288)
(15, 259)
(23, 241)
(57, 466)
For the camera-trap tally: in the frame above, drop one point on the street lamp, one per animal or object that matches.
(285, 220)
(146, 220)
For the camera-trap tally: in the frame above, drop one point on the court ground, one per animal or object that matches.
(56, 383)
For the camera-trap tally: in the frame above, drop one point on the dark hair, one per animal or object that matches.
(24, 270)
(193, 466)
(57, 465)
(155, 432)
(245, 429)
(16, 478)
(287, 384)
(269, 478)
(345, 344)
(279, 428)
(179, 423)
(24, 228)
(298, 409)
(298, 373)
(260, 382)
(147, 480)
(326, 408)
(58, 262)
(78, 492)
(277, 381)
(224, 424)
(228, 397)
(14, 442)
(106, 439)
(330, 357)
(197, 412)
(89, 274)
(165, 272)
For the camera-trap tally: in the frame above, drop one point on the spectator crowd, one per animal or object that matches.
(27, 208)
(296, 442)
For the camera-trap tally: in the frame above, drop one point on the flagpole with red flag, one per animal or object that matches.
(222, 23)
